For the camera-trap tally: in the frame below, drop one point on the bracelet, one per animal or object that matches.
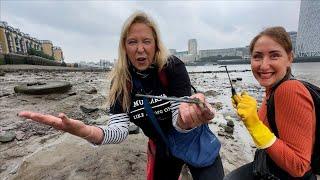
(90, 133)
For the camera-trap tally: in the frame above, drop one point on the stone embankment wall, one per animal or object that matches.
(26, 59)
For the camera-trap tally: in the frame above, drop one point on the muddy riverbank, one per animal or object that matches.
(40, 152)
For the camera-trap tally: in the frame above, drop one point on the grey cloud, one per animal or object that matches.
(91, 29)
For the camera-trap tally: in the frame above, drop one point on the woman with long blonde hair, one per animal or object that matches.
(143, 58)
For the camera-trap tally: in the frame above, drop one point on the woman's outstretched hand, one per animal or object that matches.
(62, 122)
(193, 115)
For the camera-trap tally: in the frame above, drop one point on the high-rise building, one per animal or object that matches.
(308, 38)
(192, 46)
(293, 37)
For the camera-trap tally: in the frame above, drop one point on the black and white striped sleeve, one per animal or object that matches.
(117, 129)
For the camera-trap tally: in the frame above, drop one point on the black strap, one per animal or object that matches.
(149, 111)
(271, 112)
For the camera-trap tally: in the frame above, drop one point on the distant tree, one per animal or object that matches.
(64, 64)
(34, 52)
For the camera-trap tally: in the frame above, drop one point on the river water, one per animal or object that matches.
(304, 71)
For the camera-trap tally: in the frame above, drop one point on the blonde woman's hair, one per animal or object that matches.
(120, 75)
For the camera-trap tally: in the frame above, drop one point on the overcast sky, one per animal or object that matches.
(90, 30)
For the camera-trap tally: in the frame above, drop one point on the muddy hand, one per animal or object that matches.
(192, 115)
(207, 109)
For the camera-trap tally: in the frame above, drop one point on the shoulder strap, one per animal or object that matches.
(271, 114)
(137, 84)
(164, 80)
(315, 93)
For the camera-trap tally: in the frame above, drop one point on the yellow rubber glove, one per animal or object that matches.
(247, 110)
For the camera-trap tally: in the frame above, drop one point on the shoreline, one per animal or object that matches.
(38, 68)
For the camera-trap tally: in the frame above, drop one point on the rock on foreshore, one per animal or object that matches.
(7, 136)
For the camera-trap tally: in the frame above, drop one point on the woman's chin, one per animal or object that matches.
(265, 83)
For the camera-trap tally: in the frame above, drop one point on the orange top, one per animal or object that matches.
(296, 122)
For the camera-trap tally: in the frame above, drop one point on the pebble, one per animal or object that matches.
(20, 135)
(228, 129)
(230, 123)
(7, 136)
(211, 93)
(2, 73)
(91, 91)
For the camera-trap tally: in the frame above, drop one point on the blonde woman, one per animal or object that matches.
(142, 55)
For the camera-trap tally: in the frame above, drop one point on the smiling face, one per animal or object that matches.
(140, 46)
(269, 61)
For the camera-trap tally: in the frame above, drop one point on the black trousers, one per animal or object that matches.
(243, 172)
(169, 168)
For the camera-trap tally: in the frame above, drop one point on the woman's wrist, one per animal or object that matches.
(93, 134)
(181, 124)
(88, 132)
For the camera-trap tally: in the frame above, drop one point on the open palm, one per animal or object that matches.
(62, 122)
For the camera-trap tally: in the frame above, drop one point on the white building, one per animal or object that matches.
(192, 46)
(308, 38)
(241, 51)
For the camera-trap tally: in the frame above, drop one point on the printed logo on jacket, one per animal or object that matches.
(160, 107)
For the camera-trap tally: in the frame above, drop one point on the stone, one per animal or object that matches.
(88, 109)
(101, 120)
(228, 129)
(7, 136)
(72, 93)
(133, 129)
(20, 135)
(3, 168)
(211, 93)
(230, 123)
(91, 91)
(220, 133)
(218, 105)
(4, 94)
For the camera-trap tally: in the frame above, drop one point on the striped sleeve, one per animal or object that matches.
(117, 129)
(175, 112)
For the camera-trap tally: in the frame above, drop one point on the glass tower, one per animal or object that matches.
(308, 38)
